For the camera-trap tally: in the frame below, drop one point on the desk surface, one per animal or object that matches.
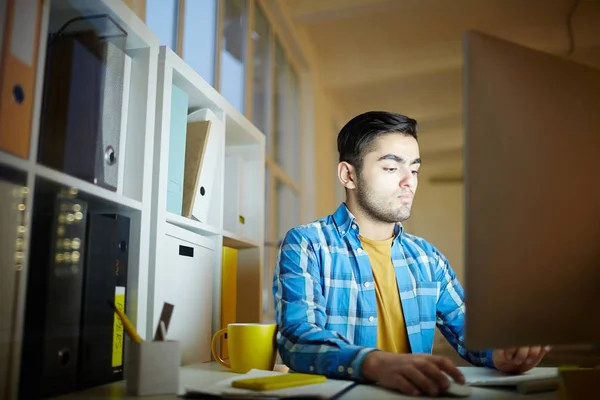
(208, 373)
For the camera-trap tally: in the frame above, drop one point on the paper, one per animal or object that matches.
(480, 376)
(223, 388)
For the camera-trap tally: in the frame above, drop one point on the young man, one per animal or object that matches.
(358, 298)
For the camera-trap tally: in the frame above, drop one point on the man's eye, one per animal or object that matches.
(390, 169)
(415, 172)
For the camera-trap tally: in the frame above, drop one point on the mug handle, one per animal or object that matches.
(213, 349)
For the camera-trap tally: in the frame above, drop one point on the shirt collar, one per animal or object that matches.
(345, 221)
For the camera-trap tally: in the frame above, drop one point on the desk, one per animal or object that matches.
(208, 373)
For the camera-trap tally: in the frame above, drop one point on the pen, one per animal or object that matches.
(126, 323)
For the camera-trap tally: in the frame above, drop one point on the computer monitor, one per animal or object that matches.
(532, 197)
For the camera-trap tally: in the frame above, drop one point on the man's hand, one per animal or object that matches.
(411, 374)
(519, 360)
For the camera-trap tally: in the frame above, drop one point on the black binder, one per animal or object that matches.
(82, 101)
(53, 303)
(105, 278)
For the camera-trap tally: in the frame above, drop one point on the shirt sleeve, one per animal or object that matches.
(451, 314)
(302, 340)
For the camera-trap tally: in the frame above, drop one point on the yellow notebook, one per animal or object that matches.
(278, 381)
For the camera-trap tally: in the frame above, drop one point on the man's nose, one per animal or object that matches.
(408, 179)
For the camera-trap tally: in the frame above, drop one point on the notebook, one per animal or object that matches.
(479, 376)
(326, 390)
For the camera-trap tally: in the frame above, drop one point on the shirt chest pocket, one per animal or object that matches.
(427, 297)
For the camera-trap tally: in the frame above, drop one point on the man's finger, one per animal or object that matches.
(509, 354)
(534, 354)
(520, 355)
(448, 367)
(543, 351)
(433, 372)
(501, 353)
(422, 382)
(405, 386)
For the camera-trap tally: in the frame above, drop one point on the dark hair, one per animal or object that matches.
(356, 137)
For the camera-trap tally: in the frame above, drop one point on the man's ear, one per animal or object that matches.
(347, 175)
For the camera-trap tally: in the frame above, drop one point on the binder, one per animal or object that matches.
(195, 152)
(114, 104)
(53, 302)
(177, 152)
(12, 240)
(83, 103)
(104, 278)
(18, 68)
(210, 162)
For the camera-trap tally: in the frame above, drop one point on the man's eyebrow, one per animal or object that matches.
(398, 159)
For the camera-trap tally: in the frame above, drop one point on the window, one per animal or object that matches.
(233, 73)
(291, 161)
(199, 40)
(288, 211)
(279, 113)
(161, 18)
(189, 28)
(283, 162)
(261, 84)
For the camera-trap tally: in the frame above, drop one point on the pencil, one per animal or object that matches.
(126, 323)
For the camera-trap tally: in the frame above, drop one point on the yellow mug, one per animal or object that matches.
(250, 346)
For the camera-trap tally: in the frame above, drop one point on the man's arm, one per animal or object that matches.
(451, 314)
(303, 343)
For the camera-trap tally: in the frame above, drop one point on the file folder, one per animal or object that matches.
(18, 69)
(210, 162)
(177, 134)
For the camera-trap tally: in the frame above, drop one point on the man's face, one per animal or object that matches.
(388, 181)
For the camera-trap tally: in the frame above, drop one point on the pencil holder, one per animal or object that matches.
(152, 367)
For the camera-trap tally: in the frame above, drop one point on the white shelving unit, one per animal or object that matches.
(239, 136)
(238, 192)
(135, 198)
(142, 197)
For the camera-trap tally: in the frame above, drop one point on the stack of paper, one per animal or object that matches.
(223, 388)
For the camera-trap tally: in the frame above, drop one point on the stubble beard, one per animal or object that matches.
(378, 209)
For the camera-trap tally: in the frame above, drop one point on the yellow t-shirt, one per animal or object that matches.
(391, 329)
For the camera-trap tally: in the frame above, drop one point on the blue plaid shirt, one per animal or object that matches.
(325, 304)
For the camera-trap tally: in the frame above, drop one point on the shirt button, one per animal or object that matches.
(311, 368)
(342, 232)
(354, 226)
(350, 370)
(367, 284)
(371, 318)
(341, 368)
(359, 250)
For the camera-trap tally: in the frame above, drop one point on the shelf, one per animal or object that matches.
(237, 242)
(229, 239)
(14, 162)
(108, 196)
(192, 225)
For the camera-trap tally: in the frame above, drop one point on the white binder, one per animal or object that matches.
(212, 156)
